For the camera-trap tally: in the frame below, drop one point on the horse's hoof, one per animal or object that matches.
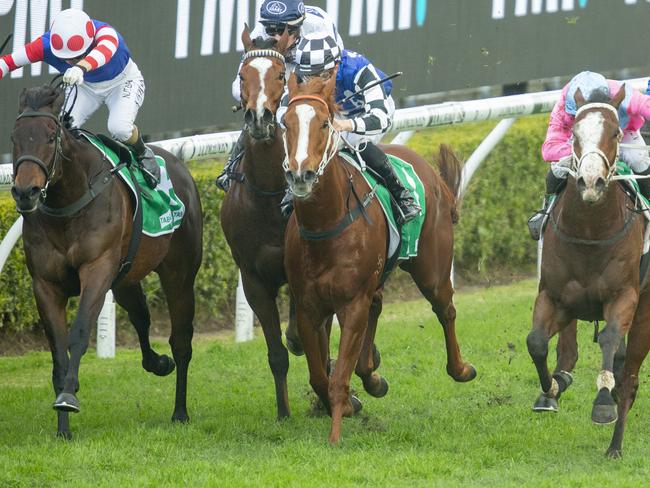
(180, 418)
(64, 435)
(545, 404)
(613, 453)
(376, 358)
(380, 390)
(294, 346)
(357, 406)
(604, 409)
(163, 365)
(66, 402)
(468, 374)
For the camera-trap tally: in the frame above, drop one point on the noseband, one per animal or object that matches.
(576, 162)
(330, 149)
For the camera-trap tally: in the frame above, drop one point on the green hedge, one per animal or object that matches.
(491, 236)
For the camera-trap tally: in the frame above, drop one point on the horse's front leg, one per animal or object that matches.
(547, 320)
(51, 302)
(369, 358)
(619, 315)
(354, 322)
(95, 279)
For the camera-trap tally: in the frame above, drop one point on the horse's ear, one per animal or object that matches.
(283, 42)
(579, 98)
(330, 85)
(292, 84)
(21, 101)
(58, 102)
(619, 97)
(246, 38)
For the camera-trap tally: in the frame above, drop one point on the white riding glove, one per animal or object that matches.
(73, 76)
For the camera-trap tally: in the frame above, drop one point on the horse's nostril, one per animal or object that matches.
(34, 191)
(581, 184)
(289, 176)
(309, 176)
(600, 184)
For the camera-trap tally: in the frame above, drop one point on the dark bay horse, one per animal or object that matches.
(341, 272)
(80, 251)
(590, 263)
(250, 213)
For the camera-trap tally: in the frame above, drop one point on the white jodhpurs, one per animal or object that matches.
(123, 95)
(637, 159)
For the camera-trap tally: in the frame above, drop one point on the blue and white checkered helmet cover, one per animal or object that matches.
(589, 83)
(282, 11)
(315, 54)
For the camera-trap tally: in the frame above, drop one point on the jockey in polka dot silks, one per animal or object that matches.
(366, 111)
(557, 148)
(93, 56)
(276, 16)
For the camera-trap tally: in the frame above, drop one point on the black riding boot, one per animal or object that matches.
(538, 220)
(377, 160)
(223, 180)
(147, 161)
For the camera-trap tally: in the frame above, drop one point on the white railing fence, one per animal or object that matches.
(405, 122)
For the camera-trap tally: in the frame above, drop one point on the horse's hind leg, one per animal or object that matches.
(178, 285)
(567, 356)
(441, 300)
(368, 362)
(637, 350)
(134, 301)
(262, 301)
(546, 323)
(51, 304)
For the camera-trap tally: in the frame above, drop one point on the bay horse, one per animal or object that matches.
(590, 266)
(337, 267)
(250, 212)
(76, 240)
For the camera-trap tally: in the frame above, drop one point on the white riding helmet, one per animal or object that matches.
(71, 34)
(316, 53)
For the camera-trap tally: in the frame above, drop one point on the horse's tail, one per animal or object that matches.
(450, 170)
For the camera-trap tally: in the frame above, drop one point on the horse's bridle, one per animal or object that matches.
(263, 53)
(576, 162)
(330, 149)
(50, 169)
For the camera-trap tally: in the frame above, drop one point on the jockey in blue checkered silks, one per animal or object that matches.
(276, 16)
(366, 111)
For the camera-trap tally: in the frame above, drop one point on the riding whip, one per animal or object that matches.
(373, 84)
(4, 44)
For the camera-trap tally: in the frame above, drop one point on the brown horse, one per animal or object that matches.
(338, 266)
(250, 213)
(76, 240)
(590, 263)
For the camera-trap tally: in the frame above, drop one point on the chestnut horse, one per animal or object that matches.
(76, 239)
(250, 213)
(590, 267)
(341, 270)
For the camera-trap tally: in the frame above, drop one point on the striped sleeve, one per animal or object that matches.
(377, 118)
(282, 109)
(30, 53)
(106, 43)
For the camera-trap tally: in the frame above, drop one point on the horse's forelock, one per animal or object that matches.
(261, 43)
(39, 97)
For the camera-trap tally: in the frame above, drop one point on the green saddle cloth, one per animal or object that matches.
(162, 210)
(410, 232)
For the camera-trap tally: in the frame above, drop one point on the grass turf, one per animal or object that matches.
(428, 430)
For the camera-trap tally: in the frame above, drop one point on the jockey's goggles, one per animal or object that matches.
(276, 29)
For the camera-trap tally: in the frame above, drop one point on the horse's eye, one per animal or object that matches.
(241, 78)
(325, 124)
(51, 140)
(281, 76)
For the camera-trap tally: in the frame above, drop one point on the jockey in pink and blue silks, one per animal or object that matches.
(557, 147)
(94, 57)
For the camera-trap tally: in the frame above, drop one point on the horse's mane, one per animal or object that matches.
(38, 97)
(261, 43)
(316, 86)
(598, 97)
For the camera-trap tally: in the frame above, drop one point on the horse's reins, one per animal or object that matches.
(328, 154)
